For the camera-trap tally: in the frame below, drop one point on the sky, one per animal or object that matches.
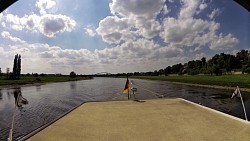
(116, 36)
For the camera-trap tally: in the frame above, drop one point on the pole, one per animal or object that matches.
(128, 87)
(134, 94)
(128, 94)
(242, 104)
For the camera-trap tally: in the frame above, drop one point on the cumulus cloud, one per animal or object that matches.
(135, 52)
(55, 59)
(214, 13)
(131, 19)
(44, 5)
(114, 30)
(52, 24)
(133, 26)
(7, 35)
(90, 30)
(187, 31)
(203, 6)
(47, 24)
(139, 15)
(188, 8)
(223, 42)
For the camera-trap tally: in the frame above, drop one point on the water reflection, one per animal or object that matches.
(72, 84)
(38, 88)
(19, 99)
(1, 95)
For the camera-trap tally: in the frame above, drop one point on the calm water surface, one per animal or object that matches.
(48, 102)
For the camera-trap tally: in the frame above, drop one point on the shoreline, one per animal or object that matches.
(22, 85)
(28, 83)
(212, 86)
(181, 83)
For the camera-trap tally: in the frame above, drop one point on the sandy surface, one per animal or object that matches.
(149, 120)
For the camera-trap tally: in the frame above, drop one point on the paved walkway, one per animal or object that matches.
(150, 120)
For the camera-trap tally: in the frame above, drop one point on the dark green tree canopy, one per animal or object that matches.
(16, 67)
(72, 74)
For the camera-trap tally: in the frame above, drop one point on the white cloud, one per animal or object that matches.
(188, 8)
(50, 56)
(90, 30)
(7, 35)
(44, 5)
(223, 42)
(187, 31)
(165, 10)
(47, 24)
(136, 52)
(214, 13)
(114, 30)
(203, 6)
(139, 8)
(53, 24)
(140, 14)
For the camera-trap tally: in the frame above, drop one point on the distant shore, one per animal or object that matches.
(20, 85)
(228, 82)
(37, 81)
(213, 86)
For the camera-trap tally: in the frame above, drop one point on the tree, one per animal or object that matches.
(16, 67)
(167, 70)
(203, 60)
(72, 74)
(216, 70)
(161, 72)
(7, 72)
(177, 68)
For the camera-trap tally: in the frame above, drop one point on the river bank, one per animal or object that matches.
(229, 82)
(36, 81)
(213, 86)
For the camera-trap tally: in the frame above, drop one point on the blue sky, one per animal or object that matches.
(91, 36)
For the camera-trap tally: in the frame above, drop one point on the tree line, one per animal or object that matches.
(15, 74)
(219, 64)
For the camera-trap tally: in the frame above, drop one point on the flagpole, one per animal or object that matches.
(128, 88)
(242, 104)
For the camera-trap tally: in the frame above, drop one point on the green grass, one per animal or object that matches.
(40, 79)
(241, 80)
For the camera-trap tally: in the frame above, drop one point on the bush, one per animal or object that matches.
(38, 79)
(35, 74)
(72, 74)
(247, 70)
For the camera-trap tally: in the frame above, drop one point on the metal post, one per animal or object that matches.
(242, 104)
(134, 93)
(128, 87)
(128, 94)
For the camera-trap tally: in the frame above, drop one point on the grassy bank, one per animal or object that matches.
(241, 80)
(41, 79)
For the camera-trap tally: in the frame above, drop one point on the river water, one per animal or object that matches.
(50, 101)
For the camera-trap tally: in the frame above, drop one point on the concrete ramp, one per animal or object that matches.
(149, 120)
